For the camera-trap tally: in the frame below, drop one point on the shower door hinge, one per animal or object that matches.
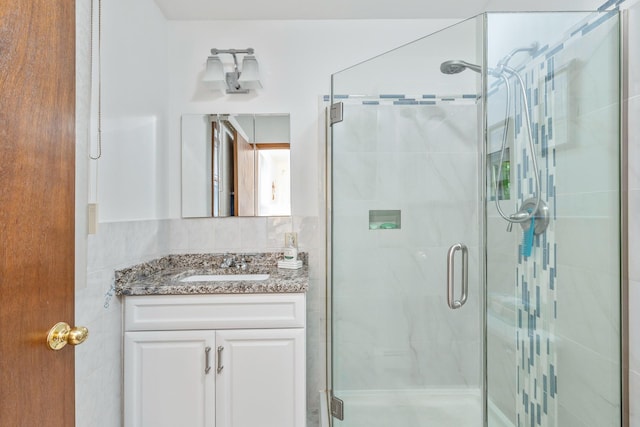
(337, 408)
(335, 113)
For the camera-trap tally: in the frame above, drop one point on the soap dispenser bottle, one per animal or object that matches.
(290, 251)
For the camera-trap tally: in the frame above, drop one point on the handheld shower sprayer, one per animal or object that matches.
(536, 207)
(502, 64)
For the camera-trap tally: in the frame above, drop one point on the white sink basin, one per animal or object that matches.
(225, 277)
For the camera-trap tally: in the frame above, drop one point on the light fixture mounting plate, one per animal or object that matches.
(232, 83)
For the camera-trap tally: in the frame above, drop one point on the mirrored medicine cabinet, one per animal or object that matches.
(235, 165)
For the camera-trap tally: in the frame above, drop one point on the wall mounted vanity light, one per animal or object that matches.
(236, 81)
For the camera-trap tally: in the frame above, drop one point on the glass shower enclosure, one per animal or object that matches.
(475, 228)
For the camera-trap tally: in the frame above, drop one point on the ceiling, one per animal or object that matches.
(355, 9)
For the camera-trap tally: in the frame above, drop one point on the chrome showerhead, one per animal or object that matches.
(457, 66)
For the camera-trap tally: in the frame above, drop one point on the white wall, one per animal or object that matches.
(151, 69)
(131, 172)
(296, 61)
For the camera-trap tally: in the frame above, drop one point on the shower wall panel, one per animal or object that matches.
(564, 316)
(587, 191)
(392, 323)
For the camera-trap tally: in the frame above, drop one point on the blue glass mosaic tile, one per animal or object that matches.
(597, 22)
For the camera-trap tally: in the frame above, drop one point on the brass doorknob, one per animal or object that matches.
(62, 334)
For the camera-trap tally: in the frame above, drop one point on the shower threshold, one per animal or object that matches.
(411, 408)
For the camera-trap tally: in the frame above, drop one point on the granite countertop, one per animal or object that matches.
(162, 276)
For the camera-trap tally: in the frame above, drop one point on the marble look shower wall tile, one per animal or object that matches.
(634, 240)
(441, 128)
(592, 398)
(589, 243)
(398, 276)
(634, 338)
(447, 175)
(634, 210)
(634, 402)
(358, 171)
(590, 309)
(397, 350)
(451, 222)
(355, 135)
(436, 128)
(589, 158)
(633, 48)
(500, 356)
(596, 82)
(634, 143)
(602, 204)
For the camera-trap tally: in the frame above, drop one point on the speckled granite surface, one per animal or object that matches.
(162, 276)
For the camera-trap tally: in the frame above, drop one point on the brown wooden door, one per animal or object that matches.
(244, 180)
(37, 155)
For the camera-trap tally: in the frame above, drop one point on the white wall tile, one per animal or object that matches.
(634, 236)
(253, 234)
(227, 235)
(634, 403)
(634, 143)
(113, 246)
(277, 226)
(634, 44)
(634, 321)
(588, 387)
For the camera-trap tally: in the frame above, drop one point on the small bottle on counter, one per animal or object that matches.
(290, 260)
(291, 251)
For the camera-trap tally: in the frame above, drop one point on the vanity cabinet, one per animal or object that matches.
(214, 360)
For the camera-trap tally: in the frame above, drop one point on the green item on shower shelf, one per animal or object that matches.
(388, 225)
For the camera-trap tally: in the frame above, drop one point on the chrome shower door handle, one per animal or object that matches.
(454, 303)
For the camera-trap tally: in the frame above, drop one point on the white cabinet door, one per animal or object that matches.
(262, 378)
(165, 379)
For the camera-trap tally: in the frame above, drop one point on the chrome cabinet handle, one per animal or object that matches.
(454, 303)
(207, 352)
(220, 367)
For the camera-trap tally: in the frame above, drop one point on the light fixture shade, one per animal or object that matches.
(214, 74)
(250, 75)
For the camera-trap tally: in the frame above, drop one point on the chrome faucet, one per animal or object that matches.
(228, 261)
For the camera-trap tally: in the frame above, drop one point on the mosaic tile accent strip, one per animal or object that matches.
(403, 99)
(535, 274)
(538, 378)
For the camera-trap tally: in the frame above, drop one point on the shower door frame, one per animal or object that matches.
(483, 201)
(333, 116)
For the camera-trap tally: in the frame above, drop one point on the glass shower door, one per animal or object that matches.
(405, 235)
(553, 301)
